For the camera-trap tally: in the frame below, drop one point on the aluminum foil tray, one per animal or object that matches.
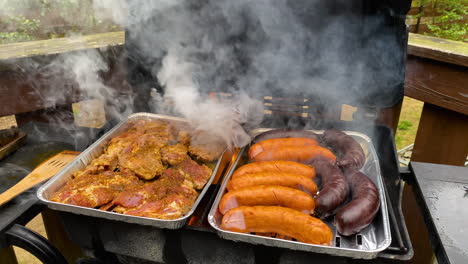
(365, 245)
(92, 152)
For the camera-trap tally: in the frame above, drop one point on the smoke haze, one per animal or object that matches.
(247, 50)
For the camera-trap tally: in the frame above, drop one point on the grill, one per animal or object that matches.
(198, 242)
(113, 241)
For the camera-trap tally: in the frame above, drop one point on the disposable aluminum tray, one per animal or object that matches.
(364, 245)
(92, 152)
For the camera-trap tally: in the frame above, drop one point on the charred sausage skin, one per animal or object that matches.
(350, 153)
(334, 190)
(361, 210)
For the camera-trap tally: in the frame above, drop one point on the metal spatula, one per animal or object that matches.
(43, 172)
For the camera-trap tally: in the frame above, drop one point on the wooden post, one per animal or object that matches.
(7, 256)
(417, 229)
(442, 137)
(58, 237)
(437, 74)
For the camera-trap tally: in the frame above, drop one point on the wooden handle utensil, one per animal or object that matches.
(43, 172)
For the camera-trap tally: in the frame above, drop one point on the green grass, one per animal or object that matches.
(409, 122)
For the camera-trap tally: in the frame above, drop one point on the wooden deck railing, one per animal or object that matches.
(437, 74)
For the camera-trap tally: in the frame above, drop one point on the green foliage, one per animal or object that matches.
(8, 37)
(398, 140)
(404, 125)
(450, 24)
(450, 21)
(25, 20)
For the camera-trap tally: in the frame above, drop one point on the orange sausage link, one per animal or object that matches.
(275, 166)
(267, 195)
(281, 220)
(274, 143)
(291, 180)
(305, 154)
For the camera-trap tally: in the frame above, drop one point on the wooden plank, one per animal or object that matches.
(437, 83)
(61, 45)
(455, 52)
(7, 255)
(58, 237)
(442, 137)
(417, 229)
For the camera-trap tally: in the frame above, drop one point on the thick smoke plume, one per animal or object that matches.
(329, 52)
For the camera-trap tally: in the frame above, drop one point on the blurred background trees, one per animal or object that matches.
(440, 18)
(25, 20)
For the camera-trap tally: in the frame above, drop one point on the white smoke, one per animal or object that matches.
(319, 50)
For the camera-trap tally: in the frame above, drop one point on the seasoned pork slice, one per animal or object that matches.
(205, 147)
(164, 198)
(198, 174)
(183, 137)
(143, 156)
(174, 205)
(174, 154)
(143, 161)
(93, 190)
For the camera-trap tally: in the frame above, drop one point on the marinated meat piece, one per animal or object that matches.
(124, 178)
(163, 199)
(102, 163)
(183, 137)
(174, 176)
(199, 174)
(152, 126)
(206, 152)
(205, 147)
(143, 158)
(177, 177)
(172, 206)
(93, 190)
(174, 154)
(134, 197)
(119, 143)
(106, 162)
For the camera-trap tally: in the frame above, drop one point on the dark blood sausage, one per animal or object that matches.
(334, 188)
(285, 133)
(363, 207)
(350, 153)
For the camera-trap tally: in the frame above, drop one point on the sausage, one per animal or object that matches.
(275, 143)
(280, 220)
(285, 133)
(302, 154)
(275, 166)
(291, 180)
(351, 155)
(267, 195)
(363, 207)
(334, 189)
